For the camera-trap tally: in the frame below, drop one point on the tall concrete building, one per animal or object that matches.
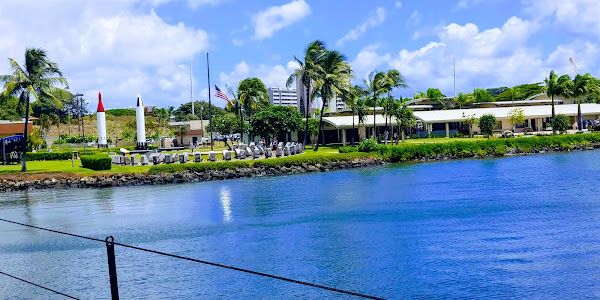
(283, 96)
(336, 104)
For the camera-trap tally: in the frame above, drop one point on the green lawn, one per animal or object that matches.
(65, 166)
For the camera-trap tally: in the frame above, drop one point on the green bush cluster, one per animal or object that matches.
(482, 148)
(96, 162)
(309, 159)
(348, 149)
(413, 136)
(61, 155)
(368, 146)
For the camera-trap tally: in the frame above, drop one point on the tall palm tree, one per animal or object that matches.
(351, 98)
(236, 107)
(39, 78)
(362, 110)
(306, 73)
(404, 117)
(333, 74)
(393, 79)
(252, 95)
(551, 89)
(375, 87)
(582, 85)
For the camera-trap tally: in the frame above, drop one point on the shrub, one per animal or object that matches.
(96, 162)
(413, 136)
(348, 149)
(561, 123)
(368, 146)
(487, 123)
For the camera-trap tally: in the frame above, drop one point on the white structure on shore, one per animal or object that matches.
(101, 124)
(141, 124)
(283, 96)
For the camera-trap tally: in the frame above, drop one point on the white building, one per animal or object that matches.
(283, 96)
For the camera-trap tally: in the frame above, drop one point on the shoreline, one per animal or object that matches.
(38, 181)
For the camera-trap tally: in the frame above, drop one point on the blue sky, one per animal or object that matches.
(122, 47)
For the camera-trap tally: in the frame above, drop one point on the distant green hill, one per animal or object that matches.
(117, 112)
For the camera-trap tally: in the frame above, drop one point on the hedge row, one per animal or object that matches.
(483, 148)
(96, 162)
(233, 165)
(62, 154)
(348, 149)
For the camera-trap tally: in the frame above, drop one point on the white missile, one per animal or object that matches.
(101, 124)
(141, 124)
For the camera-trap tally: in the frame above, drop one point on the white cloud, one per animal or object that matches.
(573, 16)
(237, 42)
(106, 46)
(414, 19)
(274, 18)
(467, 3)
(368, 60)
(377, 17)
(484, 58)
(398, 4)
(271, 75)
(191, 3)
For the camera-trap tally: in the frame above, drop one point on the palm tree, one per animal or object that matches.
(333, 76)
(375, 86)
(551, 89)
(252, 95)
(306, 73)
(40, 79)
(404, 117)
(393, 79)
(361, 110)
(582, 85)
(236, 107)
(351, 98)
(463, 99)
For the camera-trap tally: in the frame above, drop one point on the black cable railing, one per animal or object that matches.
(110, 243)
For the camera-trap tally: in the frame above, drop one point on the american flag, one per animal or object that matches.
(222, 95)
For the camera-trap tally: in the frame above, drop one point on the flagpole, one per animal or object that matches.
(192, 88)
(209, 104)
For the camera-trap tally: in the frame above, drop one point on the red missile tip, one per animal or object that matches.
(100, 106)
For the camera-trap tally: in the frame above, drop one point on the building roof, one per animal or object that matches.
(456, 115)
(346, 121)
(499, 103)
(540, 111)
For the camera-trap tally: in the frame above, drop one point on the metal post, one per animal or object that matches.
(209, 103)
(112, 267)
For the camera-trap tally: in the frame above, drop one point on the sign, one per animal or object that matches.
(11, 149)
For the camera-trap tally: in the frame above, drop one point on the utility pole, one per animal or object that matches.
(454, 64)
(192, 88)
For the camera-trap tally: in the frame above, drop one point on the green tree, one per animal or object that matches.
(333, 76)
(375, 87)
(351, 98)
(470, 120)
(253, 95)
(561, 123)
(362, 110)
(227, 124)
(487, 124)
(393, 79)
(515, 117)
(41, 78)
(436, 95)
(582, 85)
(313, 129)
(419, 95)
(306, 74)
(276, 120)
(551, 88)
(404, 117)
(482, 95)
(463, 99)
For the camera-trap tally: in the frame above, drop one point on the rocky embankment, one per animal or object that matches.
(15, 182)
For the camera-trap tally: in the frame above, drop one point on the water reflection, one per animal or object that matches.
(225, 199)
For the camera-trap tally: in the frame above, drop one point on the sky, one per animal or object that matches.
(125, 47)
